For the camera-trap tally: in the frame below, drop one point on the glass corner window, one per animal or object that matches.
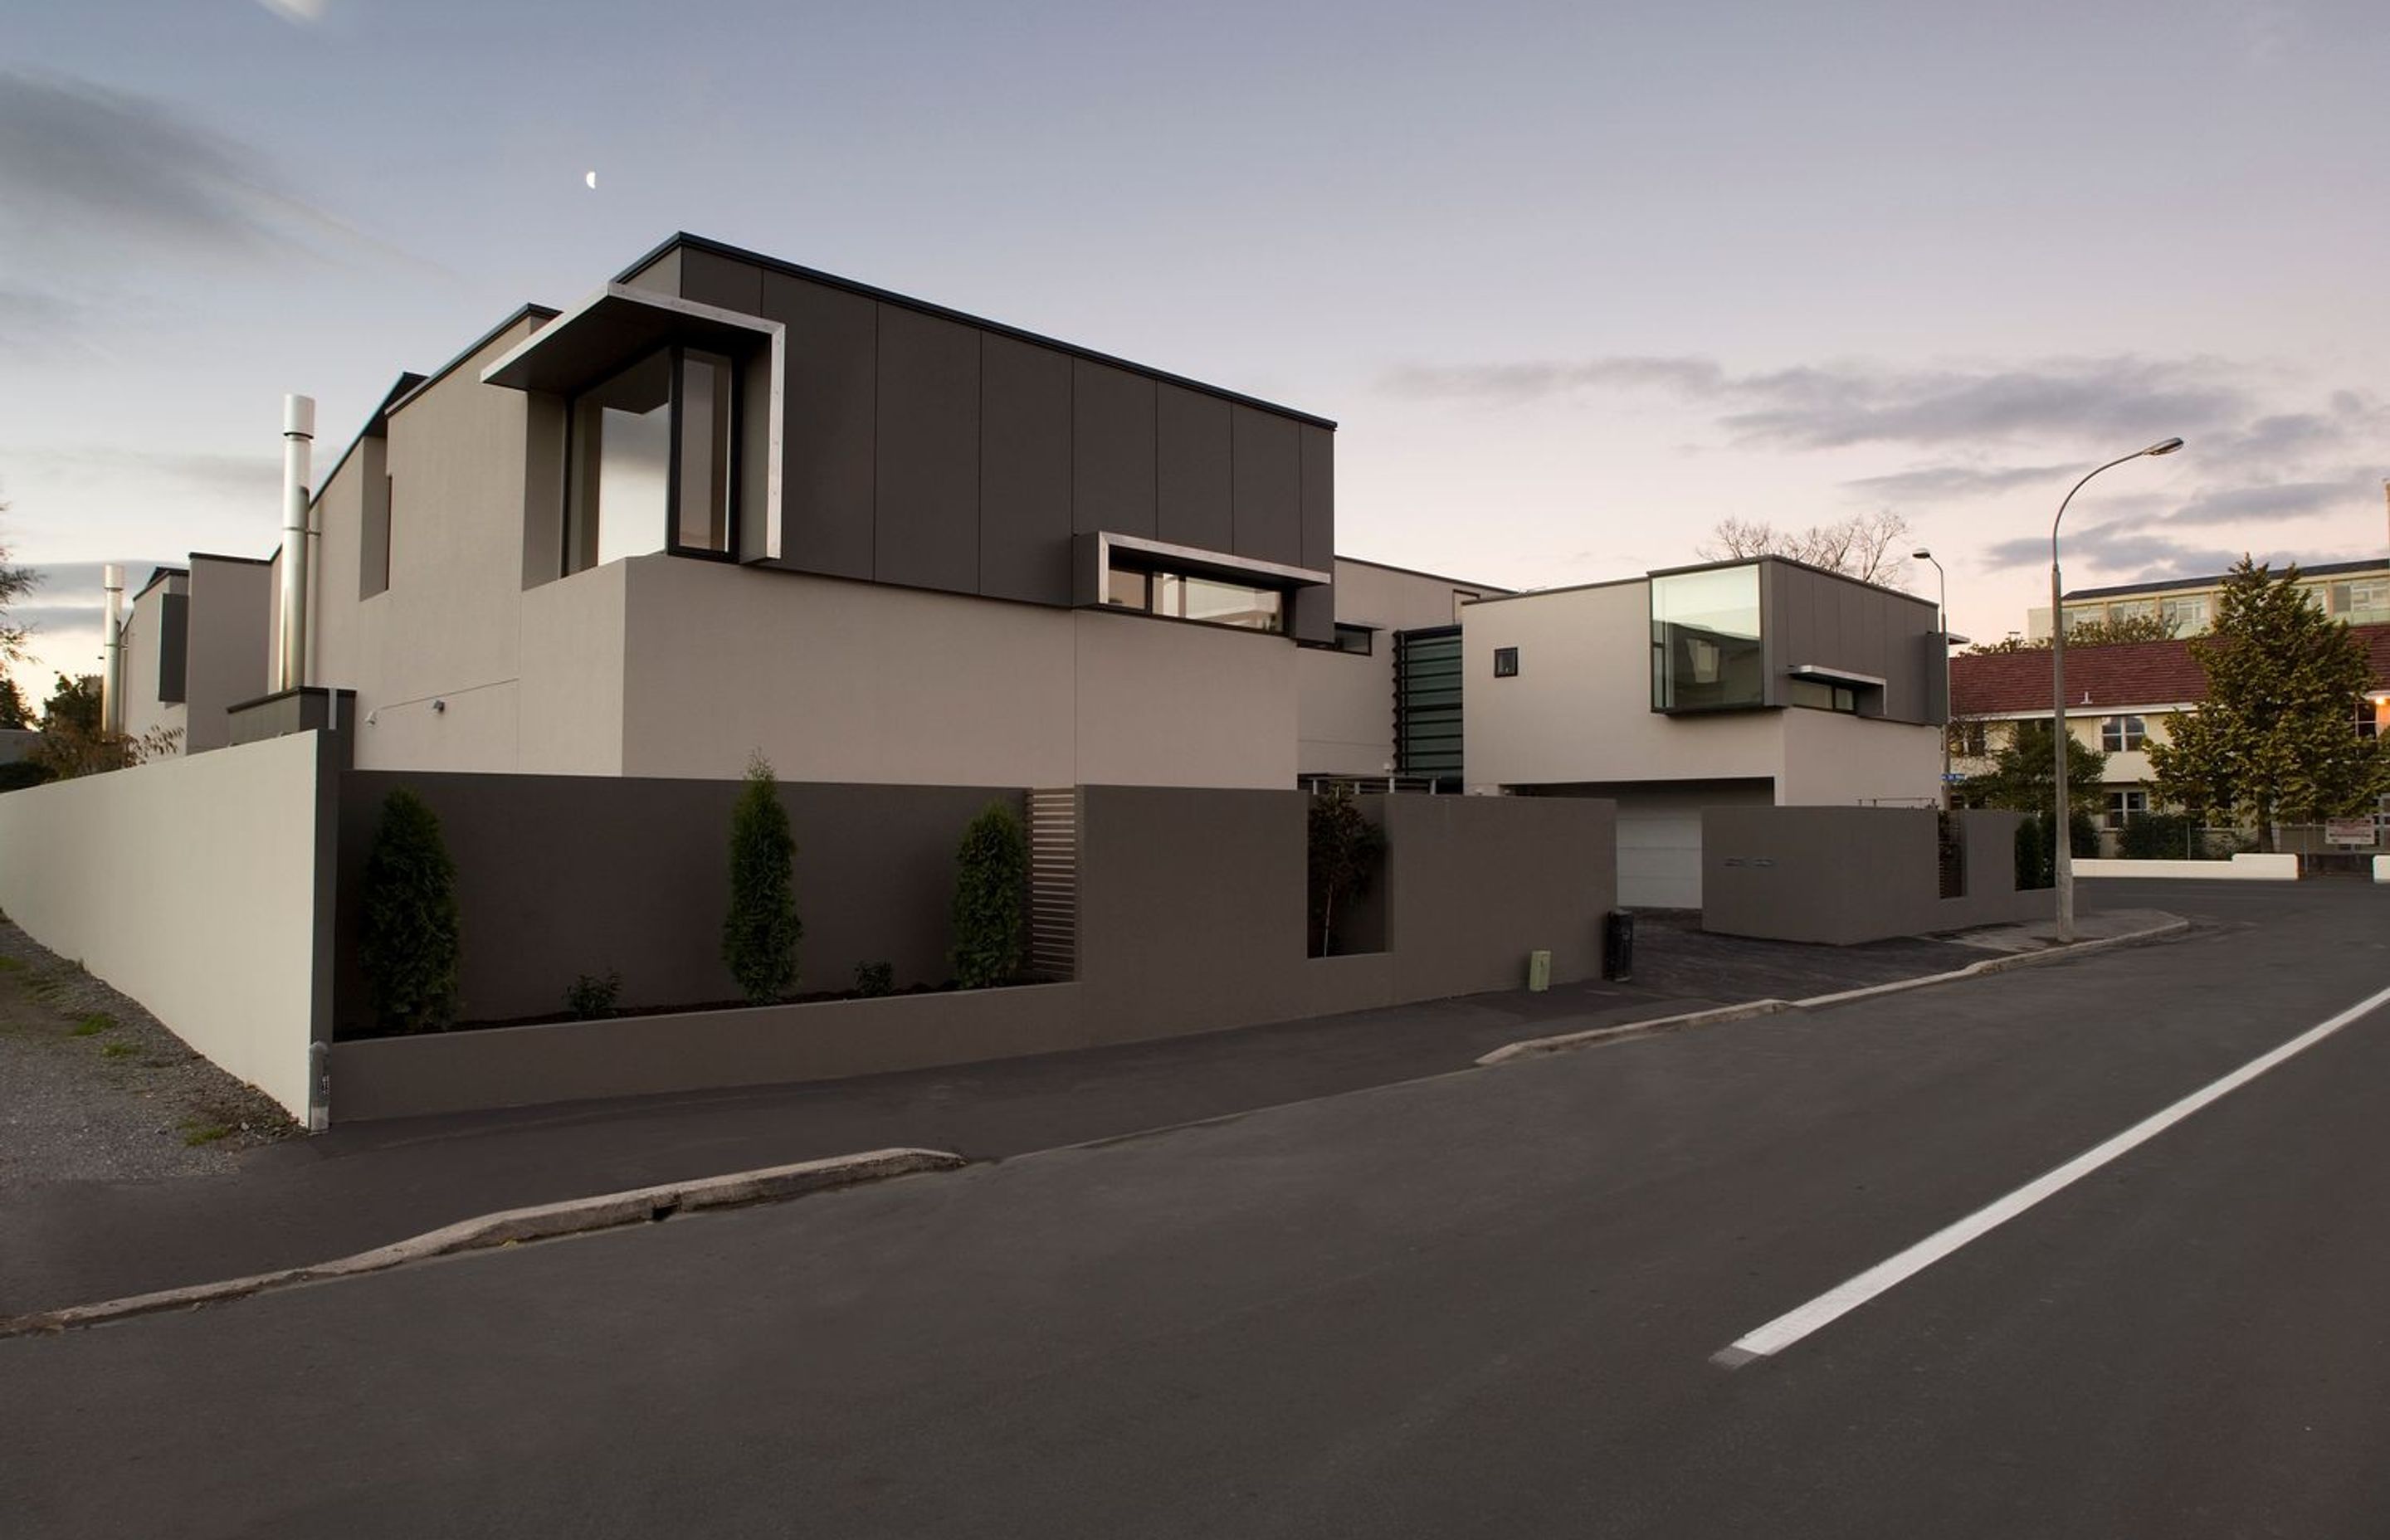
(1705, 640)
(651, 466)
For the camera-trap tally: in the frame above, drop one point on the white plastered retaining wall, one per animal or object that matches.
(2245, 867)
(191, 885)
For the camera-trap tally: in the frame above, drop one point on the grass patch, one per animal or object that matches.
(198, 1132)
(17, 964)
(94, 1024)
(116, 1050)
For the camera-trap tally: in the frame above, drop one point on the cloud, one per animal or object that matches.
(2278, 500)
(250, 477)
(1841, 405)
(1514, 384)
(1948, 483)
(297, 12)
(96, 183)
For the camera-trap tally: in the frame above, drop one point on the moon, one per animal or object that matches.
(592, 180)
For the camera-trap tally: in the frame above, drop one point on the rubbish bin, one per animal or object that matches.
(1618, 945)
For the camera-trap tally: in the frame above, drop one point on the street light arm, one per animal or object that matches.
(2070, 498)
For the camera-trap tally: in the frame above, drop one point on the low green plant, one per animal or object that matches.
(592, 995)
(116, 1050)
(1343, 851)
(761, 930)
(197, 1132)
(409, 923)
(991, 883)
(875, 979)
(94, 1024)
(12, 965)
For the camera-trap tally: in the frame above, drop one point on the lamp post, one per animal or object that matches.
(2061, 841)
(1942, 620)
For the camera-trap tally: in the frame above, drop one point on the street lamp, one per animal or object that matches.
(1942, 620)
(2061, 841)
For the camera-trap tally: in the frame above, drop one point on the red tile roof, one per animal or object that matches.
(2126, 674)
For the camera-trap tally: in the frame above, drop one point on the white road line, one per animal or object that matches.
(1799, 1322)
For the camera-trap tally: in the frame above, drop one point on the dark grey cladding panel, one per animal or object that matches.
(1024, 538)
(1191, 480)
(1315, 614)
(1112, 450)
(927, 532)
(1816, 618)
(174, 646)
(1268, 486)
(1318, 449)
(710, 279)
(827, 473)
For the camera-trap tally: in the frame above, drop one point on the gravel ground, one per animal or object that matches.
(92, 1088)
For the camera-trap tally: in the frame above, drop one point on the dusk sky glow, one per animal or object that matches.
(1577, 281)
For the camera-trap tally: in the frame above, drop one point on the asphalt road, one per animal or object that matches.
(1479, 1304)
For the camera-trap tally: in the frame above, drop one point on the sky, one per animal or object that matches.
(1577, 281)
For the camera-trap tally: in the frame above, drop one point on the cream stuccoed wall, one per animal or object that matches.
(229, 644)
(144, 623)
(1580, 711)
(1831, 758)
(846, 681)
(1347, 700)
(192, 885)
(1580, 708)
(438, 659)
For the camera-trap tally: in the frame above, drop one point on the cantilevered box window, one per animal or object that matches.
(651, 461)
(1705, 641)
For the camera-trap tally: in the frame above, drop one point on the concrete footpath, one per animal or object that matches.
(366, 1186)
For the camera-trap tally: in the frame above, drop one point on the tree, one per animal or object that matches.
(408, 940)
(2276, 739)
(14, 712)
(15, 584)
(2131, 628)
(2021, 779)
(75, 744)
(1869, 547)
(1344, 848)
(761, 930)
(991, 873)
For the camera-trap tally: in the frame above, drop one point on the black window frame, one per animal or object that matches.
(1506, 662)
(675, 406)
(1367, 635)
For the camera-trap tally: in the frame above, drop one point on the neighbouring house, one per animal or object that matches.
(1756, 683)
(2118, 698)
(2358, 592)
(195, 644)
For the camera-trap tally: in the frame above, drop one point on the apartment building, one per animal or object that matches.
(2358, 592)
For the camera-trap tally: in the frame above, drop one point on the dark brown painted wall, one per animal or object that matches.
(1190, 919)
(930, 452)
(1847, 875)
(564, 874)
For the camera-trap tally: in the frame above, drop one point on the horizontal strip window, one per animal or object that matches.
(1184, 597)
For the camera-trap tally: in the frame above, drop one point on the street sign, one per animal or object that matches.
(1952, 778)
(2348, 831)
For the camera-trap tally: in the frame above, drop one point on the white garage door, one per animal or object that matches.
(1660, 842)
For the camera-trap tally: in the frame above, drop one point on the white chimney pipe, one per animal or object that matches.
(111, 678)
(298, 440)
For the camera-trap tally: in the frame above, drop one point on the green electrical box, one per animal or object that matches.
(1540, 972)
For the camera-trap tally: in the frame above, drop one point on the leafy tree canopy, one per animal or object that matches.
(2023, 771)
(2276, 739)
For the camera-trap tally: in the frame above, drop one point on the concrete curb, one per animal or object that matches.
(1536, 1046)
(542, 1222)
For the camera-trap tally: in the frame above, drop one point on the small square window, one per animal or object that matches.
(1506, 662)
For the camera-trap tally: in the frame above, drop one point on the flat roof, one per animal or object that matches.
(2170, 586)
(885, 296)
(1492, 589)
